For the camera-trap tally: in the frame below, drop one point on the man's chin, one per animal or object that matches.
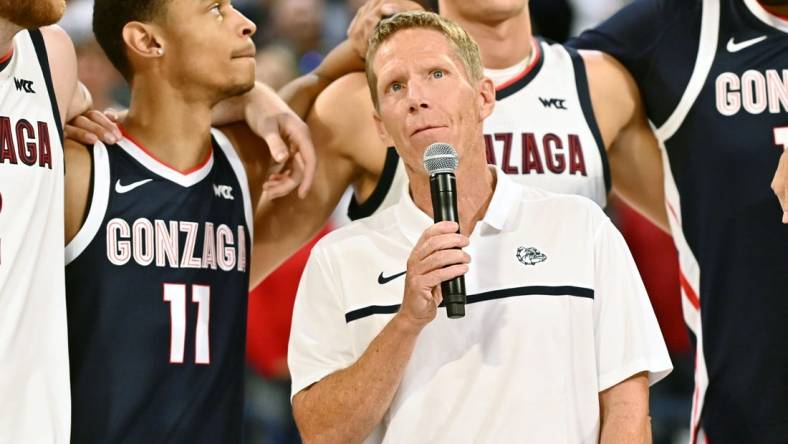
(239, 88)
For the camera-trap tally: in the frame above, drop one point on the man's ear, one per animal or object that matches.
(143, 40)
(486, 98)
(381, 128)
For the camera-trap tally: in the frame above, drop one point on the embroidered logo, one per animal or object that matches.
(734, 46)
(123, 189)
(553, 103)
(24, 85)
(530, 256)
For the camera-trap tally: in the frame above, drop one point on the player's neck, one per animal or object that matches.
(176, 131)
(502, 44)
(7, 32)
(476, 184)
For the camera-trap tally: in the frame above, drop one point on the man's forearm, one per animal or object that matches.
(624, 412)
(301, 93)
(347, 405)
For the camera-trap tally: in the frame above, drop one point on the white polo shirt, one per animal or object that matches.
(546, 328)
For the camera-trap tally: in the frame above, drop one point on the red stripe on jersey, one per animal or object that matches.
(7, 57)
(153, 156)
(535, 47)
(773, 12)
(691, 295)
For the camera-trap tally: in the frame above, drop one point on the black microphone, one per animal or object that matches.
(440, 161)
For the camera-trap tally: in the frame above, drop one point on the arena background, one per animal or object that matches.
(292, 37)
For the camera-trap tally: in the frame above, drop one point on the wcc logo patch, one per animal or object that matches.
(530, 256)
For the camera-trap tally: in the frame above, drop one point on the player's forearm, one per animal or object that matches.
(261, 98)
(301, 93)
(347, 405)
(81, 102)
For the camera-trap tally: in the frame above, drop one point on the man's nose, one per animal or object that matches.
(417, 97)
(246, 27)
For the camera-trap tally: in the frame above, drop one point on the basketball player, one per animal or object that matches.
(159, 229)
(713, 78)
(38, 91)
(561, 118)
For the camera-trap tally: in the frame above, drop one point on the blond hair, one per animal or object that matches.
(465, 47)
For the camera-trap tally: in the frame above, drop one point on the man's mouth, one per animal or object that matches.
(425, 128)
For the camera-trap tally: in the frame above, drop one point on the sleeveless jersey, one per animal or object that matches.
(714, 78)
(542, 133)
(157, 281)
(34, 380)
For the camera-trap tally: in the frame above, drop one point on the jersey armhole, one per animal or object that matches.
(358, 210)
(97, 205)
(581, 82)
(43, 61)
(223, 143)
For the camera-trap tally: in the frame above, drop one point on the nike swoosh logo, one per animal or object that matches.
(736, 47)
(121, 189)
(386, 279)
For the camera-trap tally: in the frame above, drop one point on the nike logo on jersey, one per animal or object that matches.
(123, 189)
(736, 47)
(386, 279)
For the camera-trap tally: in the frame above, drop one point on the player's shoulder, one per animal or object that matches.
(349, 90)
(341, 119)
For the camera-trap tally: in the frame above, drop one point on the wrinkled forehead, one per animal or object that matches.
(413, 47)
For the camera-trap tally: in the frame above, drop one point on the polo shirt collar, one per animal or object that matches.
(504, 203)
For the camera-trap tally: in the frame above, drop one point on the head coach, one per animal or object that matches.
(559, 346)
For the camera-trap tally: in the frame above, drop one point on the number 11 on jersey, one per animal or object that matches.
(175, 294)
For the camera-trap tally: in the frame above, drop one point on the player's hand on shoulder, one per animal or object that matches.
(780, 184)
(288, 140)
(437, 257)
(94, 125)
(368, 16)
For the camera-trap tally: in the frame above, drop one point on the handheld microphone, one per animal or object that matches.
(440, 161)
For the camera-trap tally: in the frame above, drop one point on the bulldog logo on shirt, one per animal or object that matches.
(530, 256)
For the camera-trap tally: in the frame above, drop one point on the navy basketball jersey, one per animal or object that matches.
(156, 284)
(714, 78)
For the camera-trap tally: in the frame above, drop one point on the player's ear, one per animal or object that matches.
(381, 128)
(486, 97)
(143, 40)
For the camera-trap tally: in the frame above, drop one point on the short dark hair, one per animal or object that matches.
(109, 18)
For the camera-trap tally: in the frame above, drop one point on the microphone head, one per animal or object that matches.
(440, 158)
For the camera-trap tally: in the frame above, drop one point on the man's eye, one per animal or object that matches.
(395, 87)
(216, 9)
(438, 74)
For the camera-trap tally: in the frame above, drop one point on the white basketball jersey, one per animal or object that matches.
(542, 132)
(34, 372)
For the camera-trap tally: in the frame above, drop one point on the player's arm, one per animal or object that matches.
(284, 224)
(632, 149)
(72, 99)
(623, 411)
(344, 59)
(77, 186)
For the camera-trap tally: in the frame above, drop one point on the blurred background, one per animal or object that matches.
(292, 38)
